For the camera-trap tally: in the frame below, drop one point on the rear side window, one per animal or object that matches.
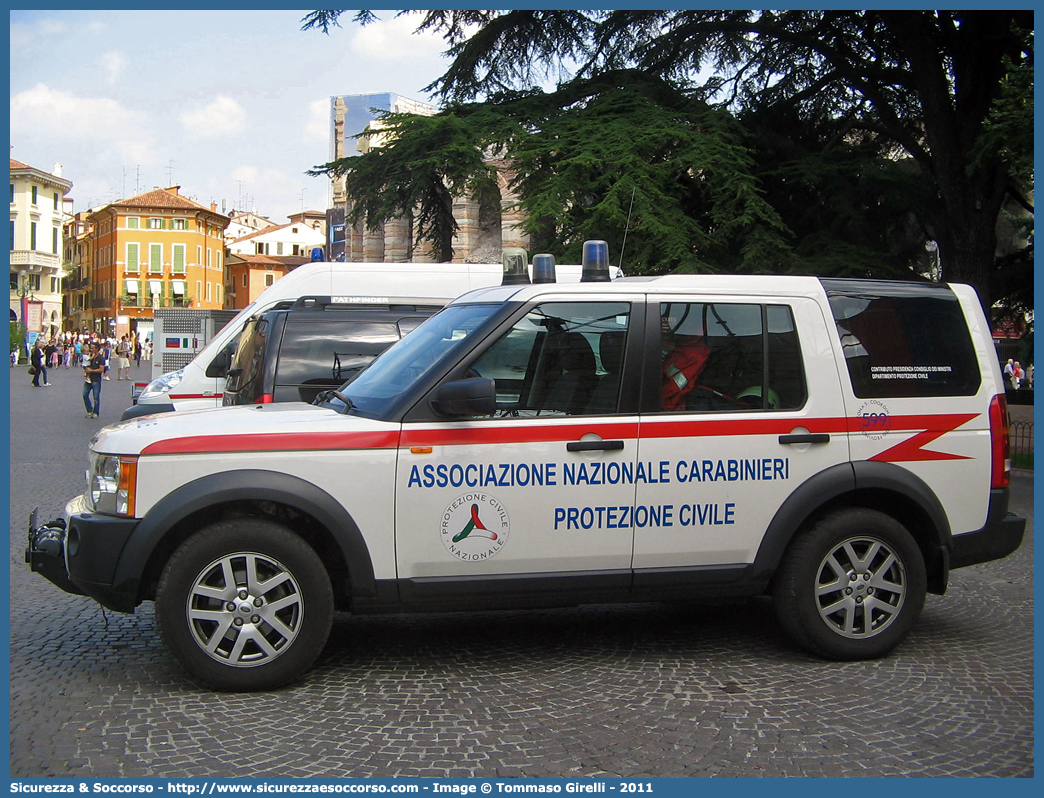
(904, 341)
(729, 357)
(322, 351)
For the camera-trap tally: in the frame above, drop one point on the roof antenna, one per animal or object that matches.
(626, 228)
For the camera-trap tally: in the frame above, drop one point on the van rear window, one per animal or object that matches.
(903, 339)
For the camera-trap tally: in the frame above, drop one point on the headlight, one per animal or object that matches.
(111, 484)
(162, 385)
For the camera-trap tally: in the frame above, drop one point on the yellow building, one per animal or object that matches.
(79, 250)
(38, 211)
(158, 249)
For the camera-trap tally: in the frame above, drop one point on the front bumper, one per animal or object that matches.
(80, 551)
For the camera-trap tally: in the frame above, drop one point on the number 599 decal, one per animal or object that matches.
(874, 421)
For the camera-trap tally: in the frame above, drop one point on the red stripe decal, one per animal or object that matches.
(275, 442)
(931, 428)
(912, 449)
(943, 422)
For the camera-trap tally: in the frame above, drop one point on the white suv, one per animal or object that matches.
(838, 444)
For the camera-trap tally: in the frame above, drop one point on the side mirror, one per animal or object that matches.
(219, 365)
(471, 397)
(232, 383)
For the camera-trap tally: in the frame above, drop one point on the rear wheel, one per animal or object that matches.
(245, 605)
(851, 586)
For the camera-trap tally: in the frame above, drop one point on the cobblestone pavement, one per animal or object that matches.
(636, 691)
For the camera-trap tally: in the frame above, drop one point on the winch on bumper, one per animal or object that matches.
(45, 553)
(80, 551)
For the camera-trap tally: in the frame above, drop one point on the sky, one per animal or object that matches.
(233, 106)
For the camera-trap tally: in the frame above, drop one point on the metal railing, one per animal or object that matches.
(144, 301)
(1022, 444)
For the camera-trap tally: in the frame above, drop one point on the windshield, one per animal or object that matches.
(409, 360)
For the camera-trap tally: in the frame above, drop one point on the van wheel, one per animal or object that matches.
(851, 586)
(245, 605)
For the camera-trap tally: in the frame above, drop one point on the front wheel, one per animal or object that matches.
(851, 586)
(245, 605)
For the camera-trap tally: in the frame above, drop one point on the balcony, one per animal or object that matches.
(134, 301)
(31, 257)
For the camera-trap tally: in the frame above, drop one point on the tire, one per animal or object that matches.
(245, 605)
(851, 586)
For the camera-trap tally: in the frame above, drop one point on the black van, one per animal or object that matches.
(292, 353)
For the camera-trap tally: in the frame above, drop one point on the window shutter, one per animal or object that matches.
(179, 259)
(132, 258)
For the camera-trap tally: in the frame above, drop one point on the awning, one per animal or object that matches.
(155, 287)
(178, 287)
(132, 286)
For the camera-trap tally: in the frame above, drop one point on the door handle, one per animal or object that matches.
(594, 446)
(807, 437)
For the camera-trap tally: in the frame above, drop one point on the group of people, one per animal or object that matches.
(94, 354)
(1017, 376)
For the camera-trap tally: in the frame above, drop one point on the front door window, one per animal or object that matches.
(545, 484)
(561, 359)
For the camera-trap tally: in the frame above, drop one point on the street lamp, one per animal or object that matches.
(25, 293)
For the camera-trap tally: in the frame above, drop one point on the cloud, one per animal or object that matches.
(30, 33)
(395, 40)
(112, 63)
(270, 188)
(318, 126)
(253, 177)
(109, 128)
(221, 117)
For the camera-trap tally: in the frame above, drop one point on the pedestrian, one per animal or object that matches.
(38, 364)
(92, 377)
(123, 351)
(137, 351)
(106, 351)
(52, 354)
(1016, 376)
